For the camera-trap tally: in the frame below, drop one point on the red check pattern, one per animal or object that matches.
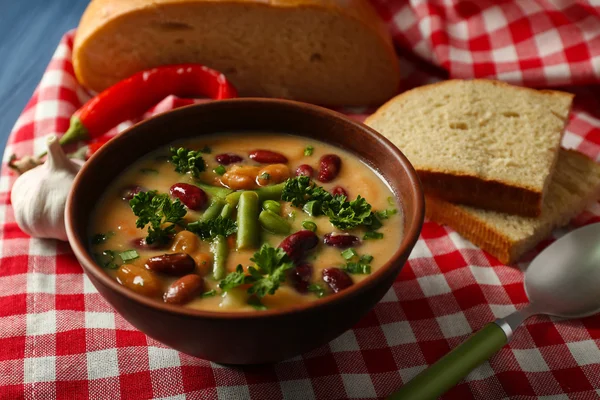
(60, 339)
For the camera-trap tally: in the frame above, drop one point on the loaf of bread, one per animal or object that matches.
(574, 185)
(479, 142)
(330, 52)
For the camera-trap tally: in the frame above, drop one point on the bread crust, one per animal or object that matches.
(498, 243)
(470, 227)
(487, 194)
(101, 14)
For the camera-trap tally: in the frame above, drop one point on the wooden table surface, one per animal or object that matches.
(29, 33)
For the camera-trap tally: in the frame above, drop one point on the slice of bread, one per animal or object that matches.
(479, 142)
(574, 185)
(330, 52)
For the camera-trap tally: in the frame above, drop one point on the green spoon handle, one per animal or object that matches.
(450, 369)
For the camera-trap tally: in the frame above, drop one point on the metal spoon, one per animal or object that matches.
(562, 281)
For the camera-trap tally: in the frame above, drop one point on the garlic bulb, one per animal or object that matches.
(39, 195)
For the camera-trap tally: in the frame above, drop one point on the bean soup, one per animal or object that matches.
(245, 222)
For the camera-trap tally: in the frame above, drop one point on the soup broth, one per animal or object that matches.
(236, 166)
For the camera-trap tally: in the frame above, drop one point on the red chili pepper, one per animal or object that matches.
(134, 95)
(94, 146)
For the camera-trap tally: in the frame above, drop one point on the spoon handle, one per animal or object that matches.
(450, 369)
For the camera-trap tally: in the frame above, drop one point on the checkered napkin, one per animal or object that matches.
(60, 339)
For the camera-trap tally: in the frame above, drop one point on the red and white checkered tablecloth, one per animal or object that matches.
(60, 339)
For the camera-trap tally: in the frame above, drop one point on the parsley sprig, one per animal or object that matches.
(270, 270)
(343, 214)
(209, 229)
(186, 160)
(157, 210)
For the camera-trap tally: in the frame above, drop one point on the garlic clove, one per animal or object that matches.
(39, 195)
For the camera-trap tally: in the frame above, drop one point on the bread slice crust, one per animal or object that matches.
(485, 194)
(575, 185)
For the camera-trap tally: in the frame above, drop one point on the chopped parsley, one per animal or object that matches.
(265, 176)
(129, 255)
(233, 279)
(186, 160)
(256, 303)
(209, 229)
(315, 201)
(308, 150)
(220, 170)
(100, 238)
(345, 214)
(270, 270)
(157, 210)
(210, 293)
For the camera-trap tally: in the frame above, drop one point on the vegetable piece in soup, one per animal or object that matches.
(262, 221)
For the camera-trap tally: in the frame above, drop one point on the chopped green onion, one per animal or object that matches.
(311, 226)
(372, 235)
(220, 170)
(308, 150)
(311, 208)
(129, 255)
(349, 253)
(385, 214)
(210, 293)
(391, 201)
(265, 176)
(317, 289)
(357, 268)
(256, 303)
(366, 258)
(205, 150)
(149, 171)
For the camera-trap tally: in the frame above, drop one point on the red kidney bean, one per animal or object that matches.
(336, 279)
(340, 240)
(128, 192)
(140, 243)
(305, 170)
(192, 196)
(176, 264)
(300, 277)
(339, 191)
(184, 289)
(329, 167)
(267, 157)
(228, 158)
(299, 243)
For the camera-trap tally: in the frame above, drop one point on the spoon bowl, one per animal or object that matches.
(563, 280)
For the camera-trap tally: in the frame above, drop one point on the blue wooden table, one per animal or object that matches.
(29, 33)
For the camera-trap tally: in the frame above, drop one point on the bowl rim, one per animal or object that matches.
(415, 221)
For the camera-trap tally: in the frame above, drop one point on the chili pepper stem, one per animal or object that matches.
(76, 132)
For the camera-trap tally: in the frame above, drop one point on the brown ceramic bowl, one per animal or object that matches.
(242, 337)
